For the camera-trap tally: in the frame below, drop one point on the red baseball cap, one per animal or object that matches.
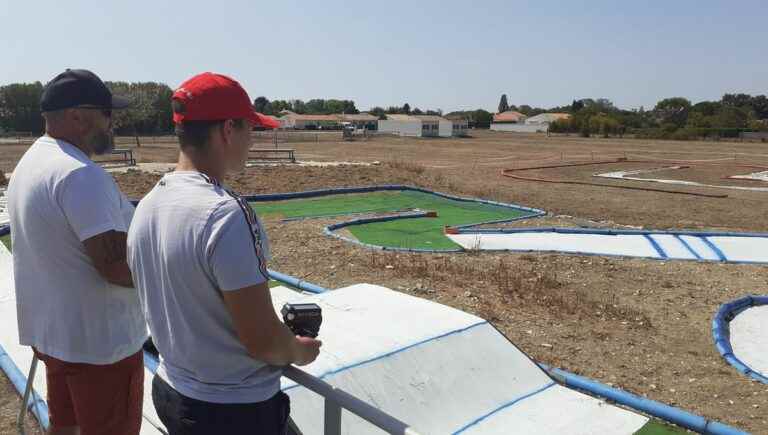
(213, 97)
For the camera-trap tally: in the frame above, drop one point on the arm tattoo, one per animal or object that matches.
(114, 247)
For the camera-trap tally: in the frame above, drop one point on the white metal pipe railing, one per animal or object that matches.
(27, 393)
(336, 399)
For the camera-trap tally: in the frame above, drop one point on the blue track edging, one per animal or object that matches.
(379, 188)
(721, 333)
(296, 282)
(651, 407)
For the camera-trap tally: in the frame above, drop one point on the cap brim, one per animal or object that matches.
(119, 102)
(261, 120)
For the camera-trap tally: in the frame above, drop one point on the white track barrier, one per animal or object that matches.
(758, 176)
(731, 249)
(749, 338)
(627, 175)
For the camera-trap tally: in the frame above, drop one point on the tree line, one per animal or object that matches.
(150, 110)
(315, 106)
(670, 118)
(149, 113)
(327, 107)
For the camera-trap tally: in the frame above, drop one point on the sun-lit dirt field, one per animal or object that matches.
(641, 325)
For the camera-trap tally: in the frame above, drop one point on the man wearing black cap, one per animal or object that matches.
(75, 300)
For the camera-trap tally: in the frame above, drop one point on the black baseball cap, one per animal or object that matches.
(79, 87)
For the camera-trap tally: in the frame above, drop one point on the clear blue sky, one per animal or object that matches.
(431, 54)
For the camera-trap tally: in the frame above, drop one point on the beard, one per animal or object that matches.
(102, 142)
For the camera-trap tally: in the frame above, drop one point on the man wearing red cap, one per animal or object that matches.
(198, 255)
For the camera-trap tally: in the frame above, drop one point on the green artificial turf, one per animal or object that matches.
(6, 239)
(655, 427)
(420, 233)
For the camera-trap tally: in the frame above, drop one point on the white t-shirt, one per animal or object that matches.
(190, 240)
(57, 198)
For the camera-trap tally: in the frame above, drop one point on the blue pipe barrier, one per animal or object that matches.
(721, 333)
(380, 188)
(37, 405)
(296, 282)
(651, 407)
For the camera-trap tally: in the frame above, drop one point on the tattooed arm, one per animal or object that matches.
(108, 253)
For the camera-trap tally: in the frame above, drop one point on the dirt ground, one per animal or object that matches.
(640, 325)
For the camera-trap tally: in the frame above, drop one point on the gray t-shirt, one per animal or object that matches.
(190, 240)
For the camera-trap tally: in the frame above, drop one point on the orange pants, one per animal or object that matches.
(101, 399)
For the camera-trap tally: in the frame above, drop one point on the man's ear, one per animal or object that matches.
(227, 129)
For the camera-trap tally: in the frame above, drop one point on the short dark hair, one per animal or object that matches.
(196, 134)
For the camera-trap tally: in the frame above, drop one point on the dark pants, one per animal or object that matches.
(183, 415)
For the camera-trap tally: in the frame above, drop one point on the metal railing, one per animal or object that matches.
(27, 393)
(337, 399)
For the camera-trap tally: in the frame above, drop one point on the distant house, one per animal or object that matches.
(309, 122)
(406, 125)
(517, 122)
(509, 117)
(417, 125)
(281, 121)
(361, 121)
(510, 120)
(547, 118)
(460, 125)
(444, 126)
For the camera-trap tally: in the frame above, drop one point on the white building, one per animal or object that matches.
(407, 125)
(519, 123)
(309, 122)
(418, 126)
(510, 120)
(361, 121)
(547, 118)
(460, 126)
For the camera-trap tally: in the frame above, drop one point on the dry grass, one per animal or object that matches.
(637, 324)
(509, 282)
(407, 166)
